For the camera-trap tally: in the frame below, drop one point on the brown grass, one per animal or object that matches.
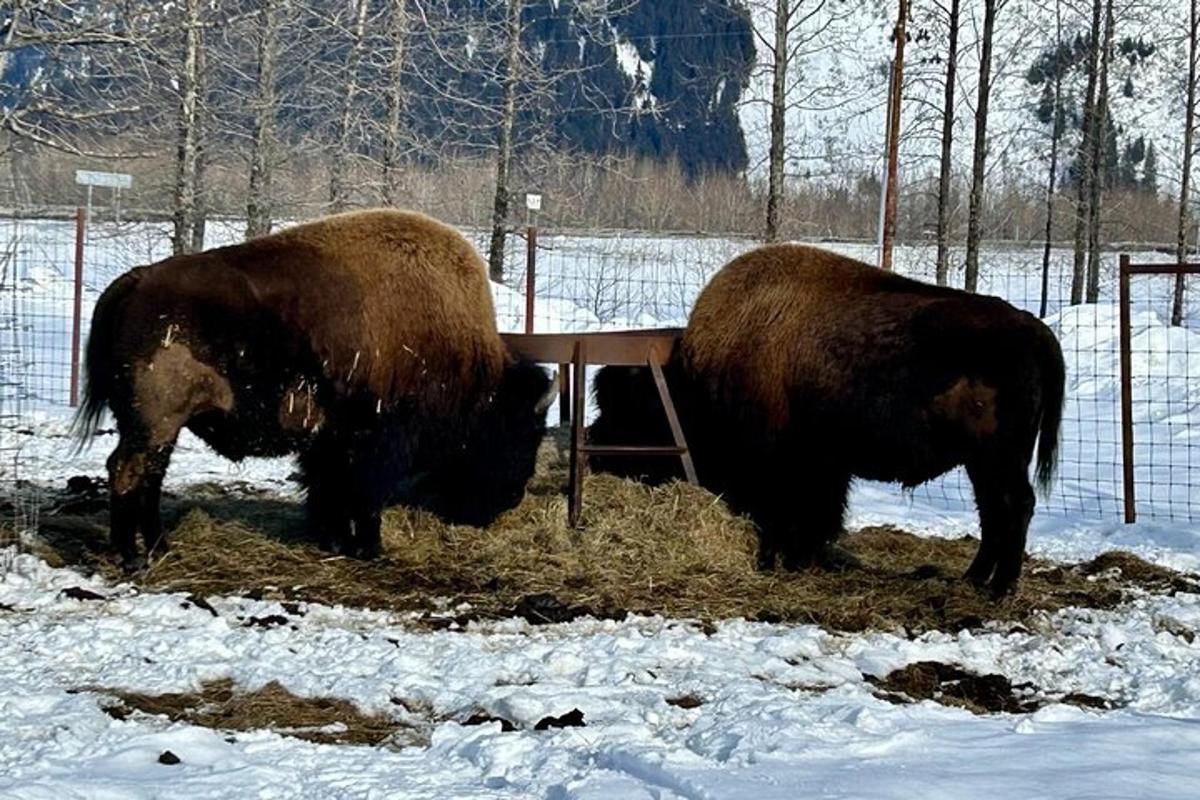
(674, 550)
(220, 705)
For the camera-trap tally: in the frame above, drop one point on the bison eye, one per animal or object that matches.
(978, 405)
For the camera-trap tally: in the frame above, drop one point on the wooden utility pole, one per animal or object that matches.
(893, 149)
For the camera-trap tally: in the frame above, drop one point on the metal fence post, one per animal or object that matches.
(77, 313)
(1126, 390)
(530, 275)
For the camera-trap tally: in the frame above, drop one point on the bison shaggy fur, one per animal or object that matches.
(364, 342)
(801, 369)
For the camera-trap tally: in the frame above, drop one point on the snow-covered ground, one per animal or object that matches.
(786, 709)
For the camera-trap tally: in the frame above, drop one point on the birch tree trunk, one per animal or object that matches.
(1189, 144)
(512, 68)
(183, 199)
(395, 103)
(1055, 134)
(258, 203)
(979, 162)
(1097, 186)
(943, 210)
(1083, 161)
(778, 109)
(338, 186)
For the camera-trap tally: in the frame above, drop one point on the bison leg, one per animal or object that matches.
(799, 519)
(347, 477)
(817, 514)
(323, 474)
(1005, 501)
(135, 475)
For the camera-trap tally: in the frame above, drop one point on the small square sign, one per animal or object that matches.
(533, 201)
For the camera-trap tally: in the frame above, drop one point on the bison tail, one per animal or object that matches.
(99, 367)
(1053, 374)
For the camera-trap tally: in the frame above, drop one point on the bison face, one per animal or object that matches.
(486, 476)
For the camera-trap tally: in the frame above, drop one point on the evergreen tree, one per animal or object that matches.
(1149, 183)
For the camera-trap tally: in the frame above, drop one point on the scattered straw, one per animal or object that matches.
(674, 550)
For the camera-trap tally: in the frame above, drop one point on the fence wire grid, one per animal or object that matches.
(590, 280)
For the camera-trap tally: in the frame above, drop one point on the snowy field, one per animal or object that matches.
(784, 711)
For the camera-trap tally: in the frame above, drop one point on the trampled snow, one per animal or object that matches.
(786, 710)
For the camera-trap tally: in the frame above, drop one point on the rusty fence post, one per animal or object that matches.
(77, 312)
(1126, 390)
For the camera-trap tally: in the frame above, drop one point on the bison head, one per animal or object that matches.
(631, 413)
(486, 474)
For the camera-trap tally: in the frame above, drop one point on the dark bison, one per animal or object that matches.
(366, 342)
(801, 369)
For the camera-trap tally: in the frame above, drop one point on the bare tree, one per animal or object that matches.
(259, 210)
(1097, 160)
(399, 30)
(338, 193)
(183, 200)
(69, 35)
(979, 161)
(893, 127)
(943, 208)
(779, 52)
(1085, 168)
(1056, 126)
(1189, 134)
(504, 131)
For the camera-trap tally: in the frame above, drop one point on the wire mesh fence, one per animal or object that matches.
(611, 280)
(18, 508)
(1161, 423)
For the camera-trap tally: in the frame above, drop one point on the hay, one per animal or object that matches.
(675, 550)
(219, 705)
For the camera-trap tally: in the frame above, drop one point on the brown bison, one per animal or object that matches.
(366, 342)
(801, 369)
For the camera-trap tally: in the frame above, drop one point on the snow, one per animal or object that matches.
(787, 709)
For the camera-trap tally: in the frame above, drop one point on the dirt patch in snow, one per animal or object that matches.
(220, 705)
(674, 550)
(952, 685)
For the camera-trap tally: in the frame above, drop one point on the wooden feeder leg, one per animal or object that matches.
(564, 394)
(578, 462)
(660, 382)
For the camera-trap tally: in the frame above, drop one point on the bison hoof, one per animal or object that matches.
(131, 564)
(835, 558)
(366, 552)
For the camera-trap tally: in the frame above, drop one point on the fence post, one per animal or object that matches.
(530, 276)
(1126, 390)
(77, 314)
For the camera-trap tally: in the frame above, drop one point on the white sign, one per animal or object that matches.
(533, 201)
(117, 180)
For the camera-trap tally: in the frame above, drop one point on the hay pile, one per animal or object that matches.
(220, 705)
(674, 550)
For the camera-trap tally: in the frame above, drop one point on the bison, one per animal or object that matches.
(801, 369)
(364, 342)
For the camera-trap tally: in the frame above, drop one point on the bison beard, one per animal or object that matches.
(364, 342)
(801, 369)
